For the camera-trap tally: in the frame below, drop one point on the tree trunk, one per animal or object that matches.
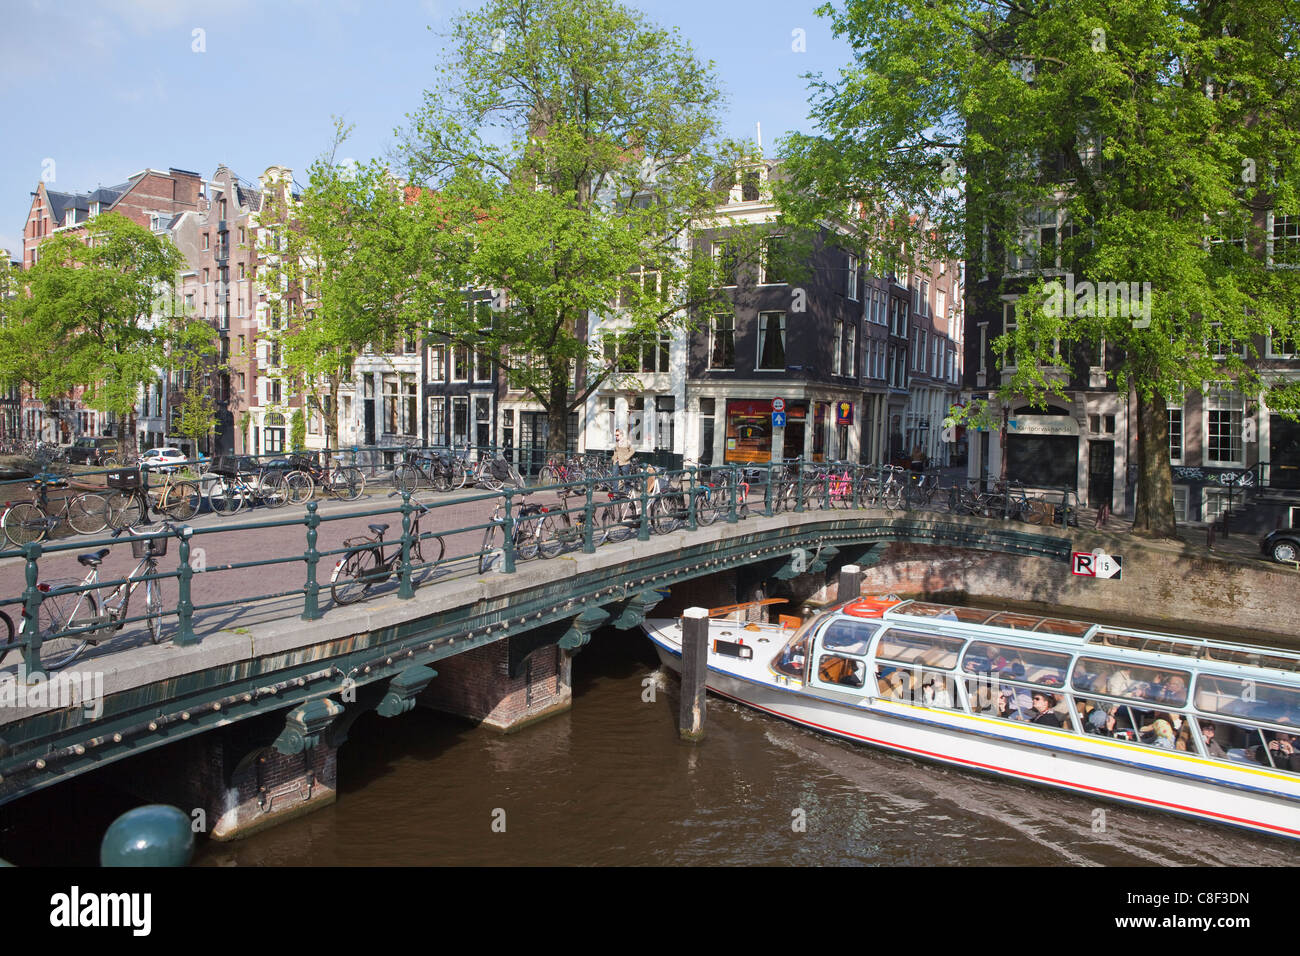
(1153, 513)
(332, 416)
(557, 410)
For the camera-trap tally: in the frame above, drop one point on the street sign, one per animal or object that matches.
(778, 404)
(1096, 564)
(778, 419)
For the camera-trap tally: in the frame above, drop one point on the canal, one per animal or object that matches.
(610, 783)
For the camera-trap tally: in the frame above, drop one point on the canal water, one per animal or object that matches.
(610, 783)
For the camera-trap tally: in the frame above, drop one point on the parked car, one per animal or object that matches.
(91, 451)
(1282, 545)
(165, 458)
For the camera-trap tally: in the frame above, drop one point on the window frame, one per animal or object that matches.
(763, 331)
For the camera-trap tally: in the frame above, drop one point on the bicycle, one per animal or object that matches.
(885, 488)
(231, 488)
(345, 482)
(570, 530)
(367, 566)
(441, 470)
(71, 617)
(26, 522)
(533, 529)
(132, 502)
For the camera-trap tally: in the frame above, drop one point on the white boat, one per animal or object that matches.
(1201, 728)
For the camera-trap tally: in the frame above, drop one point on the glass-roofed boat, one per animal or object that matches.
(1203, 728)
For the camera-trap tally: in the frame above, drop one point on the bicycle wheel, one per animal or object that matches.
(125, 510)
(662, 518)
(88, 513)
(64, 611)
(706, 511)
(299, 487)
(271, 489)
(893, 497)
(181, 500)
(527, 536)
(6, 635)
(426, 554)
(354, 576)
(153, 607)
(622, 523)
(485, 479)
(487, 555)
(602, 518)
(547, 476)
(406, 478)
(459, 474)
(440, 478)
(549, 543)
(225, 497)
(347, 483)
(25, 523)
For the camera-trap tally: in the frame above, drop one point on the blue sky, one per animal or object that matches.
(96, 91)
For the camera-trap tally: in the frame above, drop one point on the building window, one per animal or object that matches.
(459, 421)
(437, 363)
(1284, 242)
(725, 262)
(411, 419)
(771, 340)
(273, 440)
(852, 291)
(722, 341)
(1220, 347)
(1280, 347)
(1217, 501)
(1175, 413)
(849, 363)
(706, 431)
(460, 364)
(665, 412)
(438, 420)
(837, 349)
(775, 264)
(749, 431)
(1180, 504)
(1224, 410)
(482, 367)
(390, 421)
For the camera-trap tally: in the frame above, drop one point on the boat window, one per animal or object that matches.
(1162, 729)
(838, 669)
(790, 659)
(909, 647)
(1251, 699)
(1152, 643)
(944, 612)
(850, 637)
(1019, 622)
(1240, 743)
(1154, 685)
(917, 686)
(1012, 700)
(1252, 658)
(1057, 625)
(1046, 668)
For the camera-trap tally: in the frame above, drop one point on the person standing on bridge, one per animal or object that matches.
(623, 454)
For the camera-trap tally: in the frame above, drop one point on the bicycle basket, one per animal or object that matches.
(155, 546)
(499, 469)
(124, 480)
(224, 465)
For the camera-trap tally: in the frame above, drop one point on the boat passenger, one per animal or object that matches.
(1184, 741)
(1172, 689)
(1043, 703)
(1100, 718)
(1160, 732)
(937, 693)
(1212, 746)
(1284, 751)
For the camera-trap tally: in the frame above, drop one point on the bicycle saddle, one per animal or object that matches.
(378, 529)
(92, 559)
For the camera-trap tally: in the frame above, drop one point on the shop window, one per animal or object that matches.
(749, 431)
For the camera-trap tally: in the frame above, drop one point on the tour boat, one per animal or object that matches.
(1202, 728)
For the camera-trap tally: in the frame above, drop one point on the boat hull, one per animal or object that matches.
(1249, 797)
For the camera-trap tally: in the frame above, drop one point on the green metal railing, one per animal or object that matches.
(579, 515)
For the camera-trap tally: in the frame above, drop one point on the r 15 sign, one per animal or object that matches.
(1095, 564)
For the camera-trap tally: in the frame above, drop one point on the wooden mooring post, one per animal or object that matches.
(695, 665)
(850, 583)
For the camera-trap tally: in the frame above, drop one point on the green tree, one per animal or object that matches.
(1150, 129)
(570, 148)
(92, 317)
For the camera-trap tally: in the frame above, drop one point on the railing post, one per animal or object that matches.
(691, 521)
(767, 491)
(508, 535)
(735, 493)
(798, 485)
(311, 601)
(589, 518)
(31, 606)
(405, 591)
(826, 487)
(643, 532)
(185, 635)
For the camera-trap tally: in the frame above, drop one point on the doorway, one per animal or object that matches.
(1101, 473)
(1283, 452)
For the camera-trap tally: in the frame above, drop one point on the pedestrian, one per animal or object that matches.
(623, 454)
